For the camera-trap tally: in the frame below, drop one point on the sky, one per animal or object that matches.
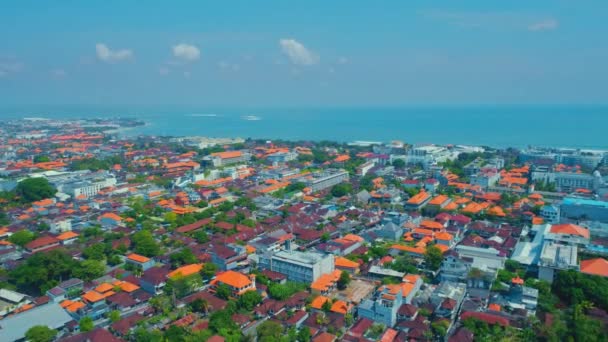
(303, 53)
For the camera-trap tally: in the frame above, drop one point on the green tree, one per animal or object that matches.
(344, 280)
(35, 189)
(145, 244)
(208, 270)
(42, 271)
(326, 306)
(304, 334)
(269, 331)
(200, 305)
(89, 270)
(249, 300)
(40, 333)
(433, 257)
(86, 324)
(221, 320)
(341, 189)
(223, 291)
(114, 316)
(22, 237)
(399, 163)
(183, 257)
(41, 159)
(95, 252)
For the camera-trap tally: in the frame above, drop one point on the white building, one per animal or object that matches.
(303, 267)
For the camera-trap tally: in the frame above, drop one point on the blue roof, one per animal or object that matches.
(582, 201)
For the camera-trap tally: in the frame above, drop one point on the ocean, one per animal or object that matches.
(496, 126)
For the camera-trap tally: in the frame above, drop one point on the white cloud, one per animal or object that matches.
(163, 71)
(297, 53)
(186, 52)
(498, 20)
(9, 67)
(104, 53)
(223, 65)
(544, 25)
(58, 73)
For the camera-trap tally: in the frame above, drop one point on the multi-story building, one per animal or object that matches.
(303, 267)
(364, 168)
(555, 256)
(384, 305)
(226, 158)
(327, 179)
(570, 181)
(550, 213)
(282, 157)
(584, 209)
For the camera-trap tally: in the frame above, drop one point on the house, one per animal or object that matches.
(236, 281)
(139, 261)
(347, 265)
(52, 315)
(598, 267)
(110, 220)
(67, 238)
(384, 305)
(418, 201)
(154, 280)
(42, 243)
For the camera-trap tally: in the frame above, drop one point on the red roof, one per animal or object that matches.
(486, 317)
(42, 242)
(597, 266)
(570, 229)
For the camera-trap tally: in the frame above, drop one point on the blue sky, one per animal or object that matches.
(303, 53)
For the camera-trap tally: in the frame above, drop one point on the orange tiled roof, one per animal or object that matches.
(419, 198)
(340, 307)
(428, 224)
(233, 278)
(67, 235)
(318, 302)
(128, 287)
(326, 281)
(597, 266)
(345, 263)
(444, 236)
(75, 306)
(93, 296)
(439, 200)
(415, 250)
(105, 287)
(185, 271)
(138, 258)
(353, 237)
(228, 154)
(570, 229)
(111, 216)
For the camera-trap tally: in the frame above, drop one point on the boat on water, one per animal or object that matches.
(251, 118)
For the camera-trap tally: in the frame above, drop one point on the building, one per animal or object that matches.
(87, 185)
(584, 209)
(571, 181)
(364, 168)
(236, 281)
(52, 315)
(282, 157)
(303, 267)
(554, 257)
(139, 261)
(383, 306)
(551, 213)
(327, 179)
(226, 158)
(428, 155)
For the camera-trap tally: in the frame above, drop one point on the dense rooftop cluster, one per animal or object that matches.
(111, 238)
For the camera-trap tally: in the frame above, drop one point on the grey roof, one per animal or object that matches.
(14, 327)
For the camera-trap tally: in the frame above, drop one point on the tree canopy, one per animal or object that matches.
(40, 333)
(34, 189)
